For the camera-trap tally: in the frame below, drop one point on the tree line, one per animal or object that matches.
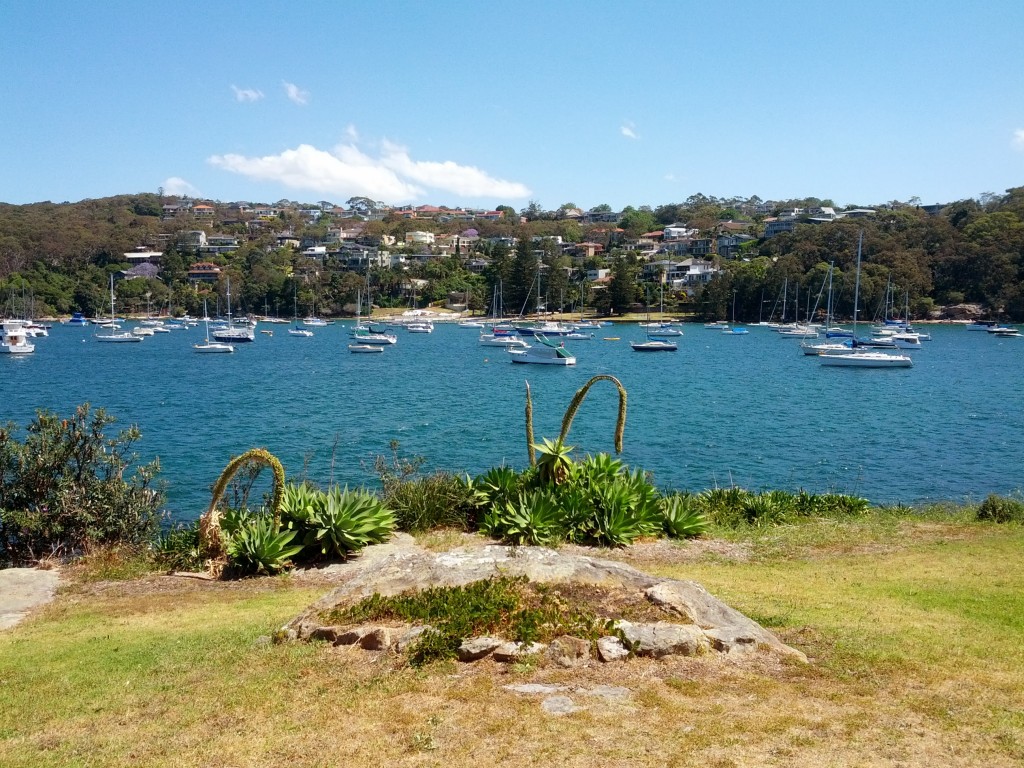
(57, 258)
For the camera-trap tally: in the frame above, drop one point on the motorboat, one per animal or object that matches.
(506, 340)
(77, 318)
(300, 332)
(1007, 332)
(14, 340)
(364, 348)
(420, 327)
(143, 331)
(543, 354)
(315, 322)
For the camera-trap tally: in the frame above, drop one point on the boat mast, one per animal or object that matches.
(856, 287)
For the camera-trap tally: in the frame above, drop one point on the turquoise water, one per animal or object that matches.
(745, 410)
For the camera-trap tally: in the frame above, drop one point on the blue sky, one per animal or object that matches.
(466, 103)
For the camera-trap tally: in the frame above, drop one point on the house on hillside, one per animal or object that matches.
(203, 272)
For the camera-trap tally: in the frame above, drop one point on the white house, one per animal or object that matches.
(419, 238)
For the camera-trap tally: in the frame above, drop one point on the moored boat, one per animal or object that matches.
(543, 354)
(14, 340)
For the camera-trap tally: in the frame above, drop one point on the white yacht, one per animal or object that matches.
(14, 340)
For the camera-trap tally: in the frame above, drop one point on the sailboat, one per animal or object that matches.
(829, 346)
(856, 357)
(208, 346)
(734, 331)
(653, 344)
(115, 337)
(295, 330)
(235, 332)
(501, 335)
(362, 335)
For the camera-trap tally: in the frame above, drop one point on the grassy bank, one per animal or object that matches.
(913, 627)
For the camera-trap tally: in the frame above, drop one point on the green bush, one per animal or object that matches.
(1001, 509)
(69, 487)
(597, 501)
(420, 503)
(177, 548)
(440, 500)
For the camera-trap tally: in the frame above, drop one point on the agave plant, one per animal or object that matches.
(300, 504)
(234, 519)
(554, 464)
(533, 518)
(259, 547)
(577, 506)
(496, 486)
(349, 521)
(682, 517)
(599, 469)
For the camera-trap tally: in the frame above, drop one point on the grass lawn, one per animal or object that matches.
(915, 631)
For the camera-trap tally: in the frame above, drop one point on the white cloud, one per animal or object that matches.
(295, 93)
(352, 133)
(465, 180)
(246, 94)
(178, 187)
(347, 171)
(1018, 140)
(670, 177)
(628, 130)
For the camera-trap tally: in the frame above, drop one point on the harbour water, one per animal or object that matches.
(745, 410)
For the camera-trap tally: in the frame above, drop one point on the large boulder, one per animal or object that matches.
(694, 620)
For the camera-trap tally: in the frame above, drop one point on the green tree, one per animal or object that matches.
(521, 290)
(622, 290)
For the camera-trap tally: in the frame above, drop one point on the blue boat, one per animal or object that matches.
(78, 319)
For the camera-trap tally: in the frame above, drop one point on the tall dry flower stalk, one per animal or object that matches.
(210, 539)
(577, 400)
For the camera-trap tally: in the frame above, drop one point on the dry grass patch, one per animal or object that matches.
(917, 662)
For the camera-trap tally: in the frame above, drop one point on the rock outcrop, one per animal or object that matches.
(694, 621)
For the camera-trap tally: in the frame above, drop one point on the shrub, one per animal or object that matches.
(1001, 509)
(69, 487)
(439, 500)
(177, 548)
(336, 522)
